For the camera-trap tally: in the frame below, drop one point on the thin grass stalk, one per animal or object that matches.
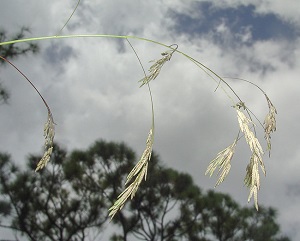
(141, 168)
(49, 129)
(68, 20)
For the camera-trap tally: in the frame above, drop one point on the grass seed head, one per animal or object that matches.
(156, 67)
(223, 161)
(270, 123)
(252, 179)
(49, 132)
(140, 171)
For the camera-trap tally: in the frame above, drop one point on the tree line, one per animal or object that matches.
(70, 197)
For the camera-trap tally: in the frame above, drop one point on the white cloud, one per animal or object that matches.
(287, 10)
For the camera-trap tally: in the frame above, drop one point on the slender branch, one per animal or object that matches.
(6, 60)
(58, 33)
(206, 69)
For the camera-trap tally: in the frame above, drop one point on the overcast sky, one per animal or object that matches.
(91, 85)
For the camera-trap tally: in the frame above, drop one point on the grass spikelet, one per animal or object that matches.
(140, 171)
(270, 119)
(156, 67)
(252, 180)
(223, 161)
(49, 132)
(270, 123)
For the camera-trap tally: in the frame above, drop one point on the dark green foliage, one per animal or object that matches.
(5, 208)
(163, 209)
(261, 225)
(223, 216)
(73, 193)
(46, 206)
(13, 51)
(4, 95)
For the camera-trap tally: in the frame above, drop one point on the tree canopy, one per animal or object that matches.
(13, 51)
(68, 201)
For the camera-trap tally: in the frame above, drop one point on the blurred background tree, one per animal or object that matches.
(13, 51)
(68, 200)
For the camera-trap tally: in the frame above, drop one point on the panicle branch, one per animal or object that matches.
(49, 126)
(49, 132)
(223, 161)
(252, 179)
(158, 64)
(270, 123)
(140, 171)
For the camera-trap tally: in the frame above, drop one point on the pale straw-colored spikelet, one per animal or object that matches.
(223, 161)
(270, 123)
(140, 171)
(156, 67)
(49, 132)
(144, 158)
(252, 180)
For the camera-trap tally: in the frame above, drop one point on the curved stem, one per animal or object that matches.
(48, 108)
(264, 93)
(206, 69)
(150, 92)
(82, 36)
(58, 33)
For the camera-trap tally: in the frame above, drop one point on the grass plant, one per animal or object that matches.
(245, 117)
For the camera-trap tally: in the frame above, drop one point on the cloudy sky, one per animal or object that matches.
(91, 85)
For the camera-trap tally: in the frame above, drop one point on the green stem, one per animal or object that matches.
(68, 19)
(82, 36)
(202, 66)
(150, 92)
